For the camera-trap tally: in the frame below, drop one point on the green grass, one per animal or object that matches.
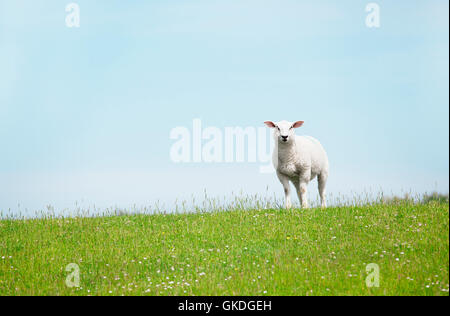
(255, 252)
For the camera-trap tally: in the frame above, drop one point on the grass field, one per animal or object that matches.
(255, 252)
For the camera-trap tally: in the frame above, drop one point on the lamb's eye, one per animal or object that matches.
(278, 128)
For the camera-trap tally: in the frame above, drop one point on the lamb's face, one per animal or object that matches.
(284, 131)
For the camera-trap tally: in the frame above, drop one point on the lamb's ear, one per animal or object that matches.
(270, 124)
(297, 124)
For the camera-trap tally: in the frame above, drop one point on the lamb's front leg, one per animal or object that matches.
(287, 189)
(302, 191)
(304, 194)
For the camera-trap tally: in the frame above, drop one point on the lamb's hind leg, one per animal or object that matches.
(322, 182)
(287, 192)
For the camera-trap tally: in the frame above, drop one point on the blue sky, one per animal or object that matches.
(85, 113)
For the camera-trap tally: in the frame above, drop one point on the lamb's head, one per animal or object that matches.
(284, 130)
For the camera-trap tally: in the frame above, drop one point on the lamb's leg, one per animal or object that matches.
(303, 193)
(302, 190)
(287, 189)
(322, 181)
(297, 188)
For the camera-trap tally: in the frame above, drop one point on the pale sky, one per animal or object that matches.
(86, 113)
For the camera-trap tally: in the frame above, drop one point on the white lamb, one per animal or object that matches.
(298, 159)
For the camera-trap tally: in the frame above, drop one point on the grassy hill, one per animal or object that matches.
(255, 252)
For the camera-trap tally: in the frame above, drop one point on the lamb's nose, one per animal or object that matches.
(284, 137)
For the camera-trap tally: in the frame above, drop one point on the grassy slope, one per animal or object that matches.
(272, 252)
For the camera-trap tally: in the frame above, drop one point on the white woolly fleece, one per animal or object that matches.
(298, 159)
